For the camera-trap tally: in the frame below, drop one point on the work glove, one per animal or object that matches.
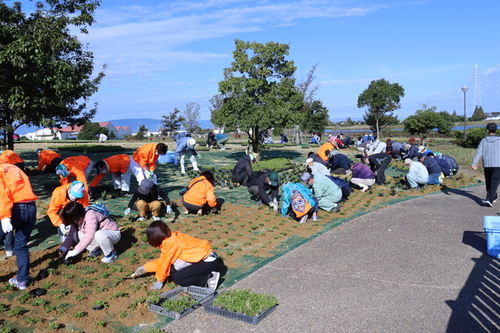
(158, 285)
(6, 225)
(138, 272)
(126, 212)
(169, 210)
(274, 206)
(70, 254)
(64, 229)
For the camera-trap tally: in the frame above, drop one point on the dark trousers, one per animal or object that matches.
(23, 221)
(492, 178)
(195, 274)
(379, 163)
(52, 167)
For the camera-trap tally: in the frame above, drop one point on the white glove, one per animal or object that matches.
(64, 229)
(126, 212)
(6, 225)
(169, 210)
(274, 206)
(71, 253)
(138, 272)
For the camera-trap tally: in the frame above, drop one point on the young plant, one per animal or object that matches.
(244, 301)
(79, 314)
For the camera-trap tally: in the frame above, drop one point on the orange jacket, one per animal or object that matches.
(324, 147)
(76, 166)
(46, 157)
(59, 199)
(146, 156)
(200, 193)
(15, 187)
(115, 163)
(8, 156)
(178, 246)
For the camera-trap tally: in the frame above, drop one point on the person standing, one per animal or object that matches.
(48, 159)
(489, 151)
(221, 139)
(17, 213)
(143, 162)
(185, 147)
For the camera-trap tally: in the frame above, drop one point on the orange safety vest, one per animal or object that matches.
(76, 166)
(115, 163)
(46, 157)
(8, 156)
(15, 187)
(146, 156)
(59, 199)
(324, 147)
(178, 246)
(200, 192)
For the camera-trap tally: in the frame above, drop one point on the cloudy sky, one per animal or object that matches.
(166, 54)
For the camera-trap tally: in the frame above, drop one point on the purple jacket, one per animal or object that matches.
(360, 170)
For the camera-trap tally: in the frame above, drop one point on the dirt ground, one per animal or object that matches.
(246, 236)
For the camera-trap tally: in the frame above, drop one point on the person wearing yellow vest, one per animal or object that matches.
(17, 213)
(186, 259)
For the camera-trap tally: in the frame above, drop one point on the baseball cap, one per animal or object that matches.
(62, 171)
(76, 189)
(273, 177)
(408, 161)
(191, 143)
(309, 160)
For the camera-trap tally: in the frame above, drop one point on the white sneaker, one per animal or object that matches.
(9, 253)
(213, 281)
(156, 218)
(303, 219)
(141, 218)
(364, 188)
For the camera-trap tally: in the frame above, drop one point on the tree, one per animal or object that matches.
(382, 99)
(91, 130)
(383, 121)
(45, 76)
(141, 132)
(259, 91)
(191, 117)
(315, 116)
(172, 122)
(425, 120)
(478, 114)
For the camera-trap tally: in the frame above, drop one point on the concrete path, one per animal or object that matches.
(416, 266)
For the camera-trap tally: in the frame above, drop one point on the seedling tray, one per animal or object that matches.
(200, 294)
(209, 308)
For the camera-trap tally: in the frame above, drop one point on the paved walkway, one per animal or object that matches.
(416, 266)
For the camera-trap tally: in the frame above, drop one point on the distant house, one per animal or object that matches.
(71, 132)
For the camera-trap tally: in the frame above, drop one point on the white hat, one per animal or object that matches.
(309, 160)
(408, 161)
(191, 142)
(421, 149)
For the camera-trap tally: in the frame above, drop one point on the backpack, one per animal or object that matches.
(98, 207)
(299, 204)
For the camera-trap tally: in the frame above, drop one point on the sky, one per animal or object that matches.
(162, 55)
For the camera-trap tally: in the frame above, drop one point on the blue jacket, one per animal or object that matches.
(182, 144)
(287, 190)
(220, 136)
(432, 165)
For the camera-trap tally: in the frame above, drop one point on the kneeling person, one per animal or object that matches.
(298, 202)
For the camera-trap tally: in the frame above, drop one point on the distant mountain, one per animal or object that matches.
(151, 124)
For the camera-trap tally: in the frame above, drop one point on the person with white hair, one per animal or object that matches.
(417, 176)
(185, 147)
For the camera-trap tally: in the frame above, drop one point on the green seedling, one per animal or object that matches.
(79, 297)
(53, 326)
(79, 314)
(34, 320)
(68, 276)
(39, 301)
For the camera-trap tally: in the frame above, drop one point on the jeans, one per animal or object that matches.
(23, 220)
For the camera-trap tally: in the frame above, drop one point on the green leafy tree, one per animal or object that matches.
(425, 120)
(478, 114)
(141, 132)
(191, 117)
(382, 99)
(383, 121)
(259, 91)
(172, 122)
(474, 136)
(45, 77)
(91, 130)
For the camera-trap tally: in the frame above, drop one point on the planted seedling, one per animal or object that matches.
(79, 314)
(34, 320)
(99, 305)
(182, 302)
